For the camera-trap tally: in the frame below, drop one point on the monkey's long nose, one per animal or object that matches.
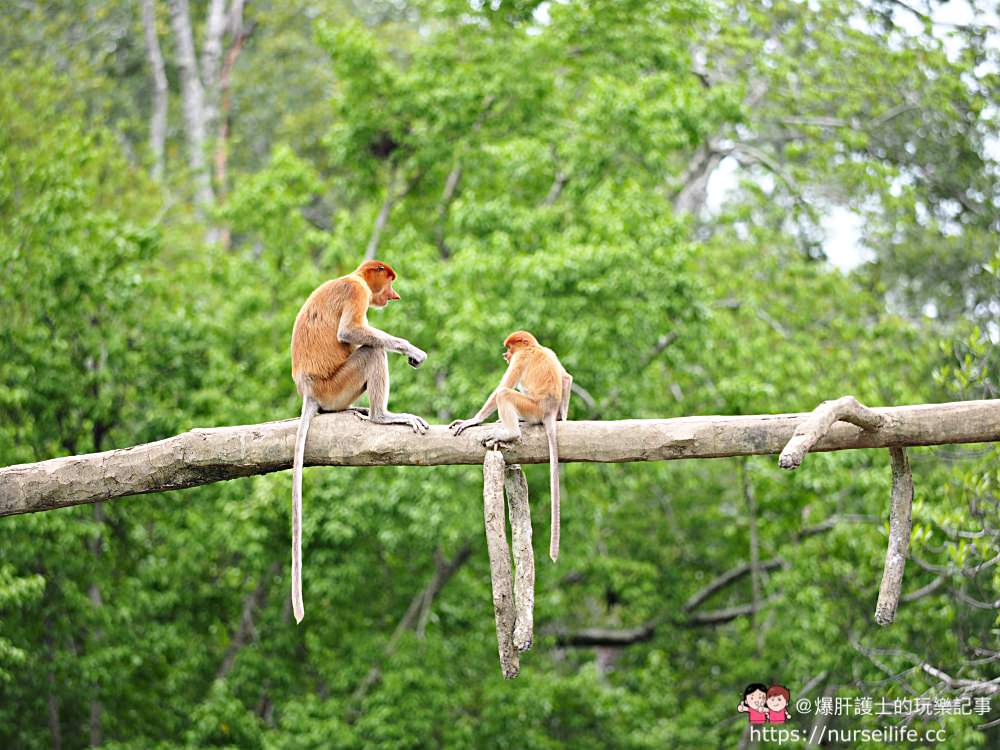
(392, 294)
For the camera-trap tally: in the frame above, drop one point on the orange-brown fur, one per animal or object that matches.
(336, 357)
(317, 353)
(544, 398)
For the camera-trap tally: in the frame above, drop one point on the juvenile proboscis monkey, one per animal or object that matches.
(336, 357)
(544, 397)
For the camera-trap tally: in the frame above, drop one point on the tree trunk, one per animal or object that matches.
(193, 101)
(158, 118)
(211, 60)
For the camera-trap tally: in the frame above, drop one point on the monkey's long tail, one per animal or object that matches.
(309, 409)
(550, 432)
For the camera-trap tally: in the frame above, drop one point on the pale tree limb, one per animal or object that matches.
(818, 424)
(974, 687)
(203, 456)
(900, 523)
(211, 57)
(693, 193)
(558, 183)
(192, 100)
(501, 576)
(240, 34)
(524, 556)
(158, 117)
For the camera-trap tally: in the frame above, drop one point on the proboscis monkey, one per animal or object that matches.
(337, 356)
(545, 387)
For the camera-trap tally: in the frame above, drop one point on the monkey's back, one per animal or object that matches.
(316, 350)
(542, 376)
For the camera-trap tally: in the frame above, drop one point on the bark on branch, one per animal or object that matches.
(524, 557)
(203, 456)
(900, 522)
(818, 424)
(500, 570)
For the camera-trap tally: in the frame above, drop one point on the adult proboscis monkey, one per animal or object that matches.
(336, 357)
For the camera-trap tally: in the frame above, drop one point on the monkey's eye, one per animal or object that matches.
(380, 268)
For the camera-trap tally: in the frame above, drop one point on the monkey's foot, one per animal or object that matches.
(500, 437)
(417, 424)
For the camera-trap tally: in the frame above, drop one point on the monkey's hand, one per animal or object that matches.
(415, 356)
(461, 425)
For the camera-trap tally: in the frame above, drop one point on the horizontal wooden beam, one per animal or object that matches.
(202, 456)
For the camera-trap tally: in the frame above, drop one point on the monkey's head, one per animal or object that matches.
(517, 341)
(379, 277)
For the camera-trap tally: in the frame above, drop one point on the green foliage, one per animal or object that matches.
(566, 131)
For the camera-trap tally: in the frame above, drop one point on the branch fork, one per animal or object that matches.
(810, 431)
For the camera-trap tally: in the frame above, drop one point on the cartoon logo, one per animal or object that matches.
(764, 704)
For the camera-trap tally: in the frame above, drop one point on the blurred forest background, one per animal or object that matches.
(176, 177)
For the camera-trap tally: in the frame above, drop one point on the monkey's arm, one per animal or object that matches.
(354, 329)
(567, 391)
(509, 380)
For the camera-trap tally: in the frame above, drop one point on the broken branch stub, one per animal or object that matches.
(900, 524)
(814, 427)
(524, 557)
(501, 576)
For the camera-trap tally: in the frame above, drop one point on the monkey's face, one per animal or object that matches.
(379, 277)
(382, 295)
(518, 340)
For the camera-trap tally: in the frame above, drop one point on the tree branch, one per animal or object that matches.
(501, 575)
(720, 582)
(202, 456)
(516, 487)
(900, 522)
(845, 409)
